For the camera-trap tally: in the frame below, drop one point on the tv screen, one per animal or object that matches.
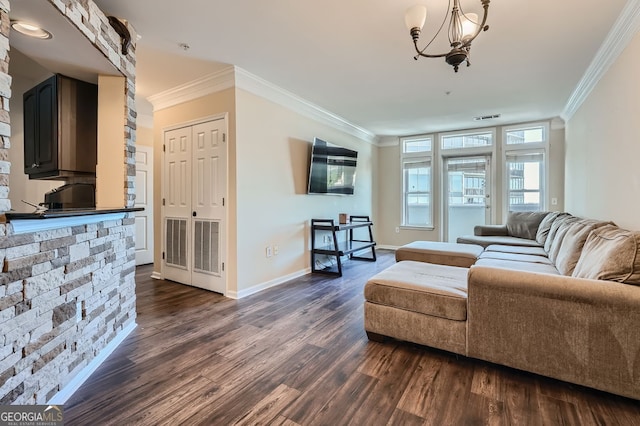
(332, 169)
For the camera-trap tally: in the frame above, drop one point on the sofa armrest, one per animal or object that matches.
(577, 330)
(490, 231)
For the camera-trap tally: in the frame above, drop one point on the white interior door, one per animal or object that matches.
(208, 188)
(177, 205)
(144, 199)
(467, 189)
(194, 205)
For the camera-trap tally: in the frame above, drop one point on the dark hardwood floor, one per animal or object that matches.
(298, 354)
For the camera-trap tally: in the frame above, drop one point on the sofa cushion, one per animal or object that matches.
(436, 290)
(554, 229)
(517, 257)
(451, 254)
(487, 241)
(610, 253)
(556, 234)
(545, 227)
(518, 266)
(536, 251)
(524, 224)
(572, 242)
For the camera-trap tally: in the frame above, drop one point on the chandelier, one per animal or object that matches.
(463, 29)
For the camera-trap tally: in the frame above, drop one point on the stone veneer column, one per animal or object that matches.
(5, 125)
(67, 293)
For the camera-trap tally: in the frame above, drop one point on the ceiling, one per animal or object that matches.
(355, 58)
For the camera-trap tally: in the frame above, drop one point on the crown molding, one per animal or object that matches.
(242, 79)
(260, 87)
(386, 141)
(211, 83)
(624, 29)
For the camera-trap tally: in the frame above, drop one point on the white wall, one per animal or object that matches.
(25, 74)
(272, 148)
(602, 177)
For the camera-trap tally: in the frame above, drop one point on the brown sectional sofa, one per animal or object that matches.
(565, 304)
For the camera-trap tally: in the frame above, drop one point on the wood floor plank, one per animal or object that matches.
(297, 355)
(269, 408)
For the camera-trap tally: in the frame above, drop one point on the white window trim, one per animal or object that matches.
(524, 148)
(409, 155)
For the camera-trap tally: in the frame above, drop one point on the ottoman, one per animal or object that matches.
(418, 302)
(452, 254)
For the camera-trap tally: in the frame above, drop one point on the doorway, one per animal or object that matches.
(467, 188)
(144, 199)
(194, 216)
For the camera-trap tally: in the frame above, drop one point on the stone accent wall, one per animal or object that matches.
(5, 95)
(65, 294)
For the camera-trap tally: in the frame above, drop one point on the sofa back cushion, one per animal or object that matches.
(524, 224)
(610, 253)
(575, 234)
(556, 233)
(545, 227)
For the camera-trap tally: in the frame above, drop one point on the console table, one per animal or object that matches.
(347, 246)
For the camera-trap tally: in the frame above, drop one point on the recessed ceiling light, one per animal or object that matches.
(31, 30)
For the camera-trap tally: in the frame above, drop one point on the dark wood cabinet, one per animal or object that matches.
(60, 129)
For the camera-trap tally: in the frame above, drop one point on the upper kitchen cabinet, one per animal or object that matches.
(60, 129)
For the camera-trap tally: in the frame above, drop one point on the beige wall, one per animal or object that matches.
(207, 106)
(269, 148)
(144, 136)
(273, 145)
(389, 190)
(110, 170)
(603, 146)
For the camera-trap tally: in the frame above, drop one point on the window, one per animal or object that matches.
(467, 181)
(467, 140)
(534, 134)
(525, 167)
(416, 181)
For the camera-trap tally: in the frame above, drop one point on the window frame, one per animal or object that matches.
(541, 147)
(413, 157)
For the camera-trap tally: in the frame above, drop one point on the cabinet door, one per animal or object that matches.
(47, 124)
(30, 131)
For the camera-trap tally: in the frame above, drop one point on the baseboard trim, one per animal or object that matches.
(268, 284)
(156, 275)
(386, 247)
(65, 393)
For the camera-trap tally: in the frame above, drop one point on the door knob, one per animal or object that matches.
(194, 214)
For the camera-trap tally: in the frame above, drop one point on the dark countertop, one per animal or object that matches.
(50, 214)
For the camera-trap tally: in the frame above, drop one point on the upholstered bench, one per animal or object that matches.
(418, 302)
(452, 254)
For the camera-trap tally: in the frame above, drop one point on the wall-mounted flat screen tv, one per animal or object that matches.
(332, 169)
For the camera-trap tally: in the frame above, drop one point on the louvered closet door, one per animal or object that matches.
(177, 205)
(194, 211)
(209, 174)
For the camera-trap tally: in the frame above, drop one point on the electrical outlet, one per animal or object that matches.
(268, 251)
(276, 250)
(554, 201)
(397, 229)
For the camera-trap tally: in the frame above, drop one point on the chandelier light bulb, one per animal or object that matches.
(469, 25)
(415, 17)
